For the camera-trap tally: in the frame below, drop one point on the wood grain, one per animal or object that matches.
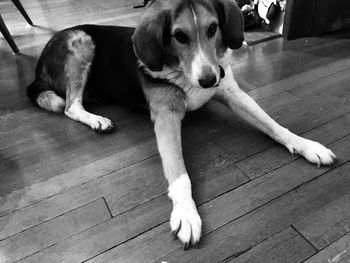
(337, 252)
(243, 233)
(325, 226)
(53, 231)
(42, 190)
(304, 78)
(234, 205)
(286, 246)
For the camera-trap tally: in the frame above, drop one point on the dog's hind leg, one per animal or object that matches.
(77, 68)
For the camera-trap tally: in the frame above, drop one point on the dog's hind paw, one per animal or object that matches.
(185, 223)
(314, 152)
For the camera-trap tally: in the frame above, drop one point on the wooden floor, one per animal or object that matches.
(70, 195)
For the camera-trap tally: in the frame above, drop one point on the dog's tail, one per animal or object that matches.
(41, 95)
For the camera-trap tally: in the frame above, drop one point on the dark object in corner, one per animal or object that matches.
(315, 17)
(250, 14)
(251, 19)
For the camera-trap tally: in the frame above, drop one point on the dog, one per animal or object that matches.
(174, 61)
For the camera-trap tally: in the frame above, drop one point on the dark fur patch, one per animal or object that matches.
(150, 39)
(230, 22)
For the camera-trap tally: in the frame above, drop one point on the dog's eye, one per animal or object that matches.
(181, 37)
(212, 30)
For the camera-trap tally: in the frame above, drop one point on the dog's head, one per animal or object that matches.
(189, 36)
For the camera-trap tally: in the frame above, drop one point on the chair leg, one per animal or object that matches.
(19, 6)
(7, 35)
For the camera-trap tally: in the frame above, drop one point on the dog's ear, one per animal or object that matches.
(150, 38)
(230, 22)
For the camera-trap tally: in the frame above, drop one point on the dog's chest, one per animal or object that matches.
(197, 97)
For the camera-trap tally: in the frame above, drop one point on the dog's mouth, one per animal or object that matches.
(222, 75)
(222, 72)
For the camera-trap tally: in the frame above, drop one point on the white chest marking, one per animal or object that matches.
(197, 97)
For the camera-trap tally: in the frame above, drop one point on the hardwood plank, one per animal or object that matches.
(276, 101)
(276, 156)
(96, 240)
(125, 225)
(321, 85)
(137, 220)
(134, 185)
(304, 78)
(53, 231)
(324, 226)
(112, 183)
(231, 237)
(256, 73)
(142, 251)
(314, 110)
(287, 246)
(277, 50)
(49, 208)
(218, 212)
(337, 252)
(241, 234)
(36, 192)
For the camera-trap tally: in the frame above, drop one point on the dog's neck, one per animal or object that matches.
(168, 74)
(177, 77)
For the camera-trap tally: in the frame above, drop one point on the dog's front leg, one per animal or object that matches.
(236, 99)
(185, 222)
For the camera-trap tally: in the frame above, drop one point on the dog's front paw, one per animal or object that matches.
(314, 152)
(101, 124)
(185, 223)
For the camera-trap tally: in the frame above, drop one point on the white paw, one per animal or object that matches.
(100, 124)
(185, 223)
(314, 152)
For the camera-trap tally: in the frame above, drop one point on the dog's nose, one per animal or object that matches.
(208, 78)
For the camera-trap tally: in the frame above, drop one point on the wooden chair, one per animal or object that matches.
(4, 30)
